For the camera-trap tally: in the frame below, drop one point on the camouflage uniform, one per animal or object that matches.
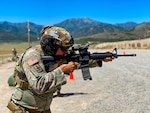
(14, 55)
(36, 84)
(35, 87)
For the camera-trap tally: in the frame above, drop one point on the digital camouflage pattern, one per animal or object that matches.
(36, 87)
(35, 84)
(58, 33)
(53, 38)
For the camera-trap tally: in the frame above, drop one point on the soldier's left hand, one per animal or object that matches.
(108, 59)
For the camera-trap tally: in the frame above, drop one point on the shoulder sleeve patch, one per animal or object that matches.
(32, 61)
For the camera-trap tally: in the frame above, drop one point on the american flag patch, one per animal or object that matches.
(32, 61)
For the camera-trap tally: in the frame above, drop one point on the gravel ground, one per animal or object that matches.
(120, 86)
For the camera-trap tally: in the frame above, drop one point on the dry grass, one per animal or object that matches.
(6, 48)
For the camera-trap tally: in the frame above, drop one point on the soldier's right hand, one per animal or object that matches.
(70, 67)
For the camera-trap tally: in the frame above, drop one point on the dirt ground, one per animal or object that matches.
(120, 86)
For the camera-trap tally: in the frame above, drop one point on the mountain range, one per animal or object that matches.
(80, 29)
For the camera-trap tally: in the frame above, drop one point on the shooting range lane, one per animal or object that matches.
(5, 91)
(120, 86)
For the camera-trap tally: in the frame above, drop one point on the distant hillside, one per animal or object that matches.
(77, 23)
(18, 31)
(8, 36)
(140, 32)
(79, 28)
(127, 25)
(100, 28)
(84, 26)
(20, 27)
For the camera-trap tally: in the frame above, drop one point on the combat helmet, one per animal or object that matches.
(54, 37)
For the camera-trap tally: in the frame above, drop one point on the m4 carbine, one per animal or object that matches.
(81, 55)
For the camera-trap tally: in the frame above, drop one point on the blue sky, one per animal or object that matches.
(45, 12)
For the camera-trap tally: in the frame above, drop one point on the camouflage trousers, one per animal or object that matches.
(20, 109)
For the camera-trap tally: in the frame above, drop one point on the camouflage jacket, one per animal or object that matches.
(36, 86)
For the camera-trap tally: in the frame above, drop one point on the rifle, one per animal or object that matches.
(81, 55)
